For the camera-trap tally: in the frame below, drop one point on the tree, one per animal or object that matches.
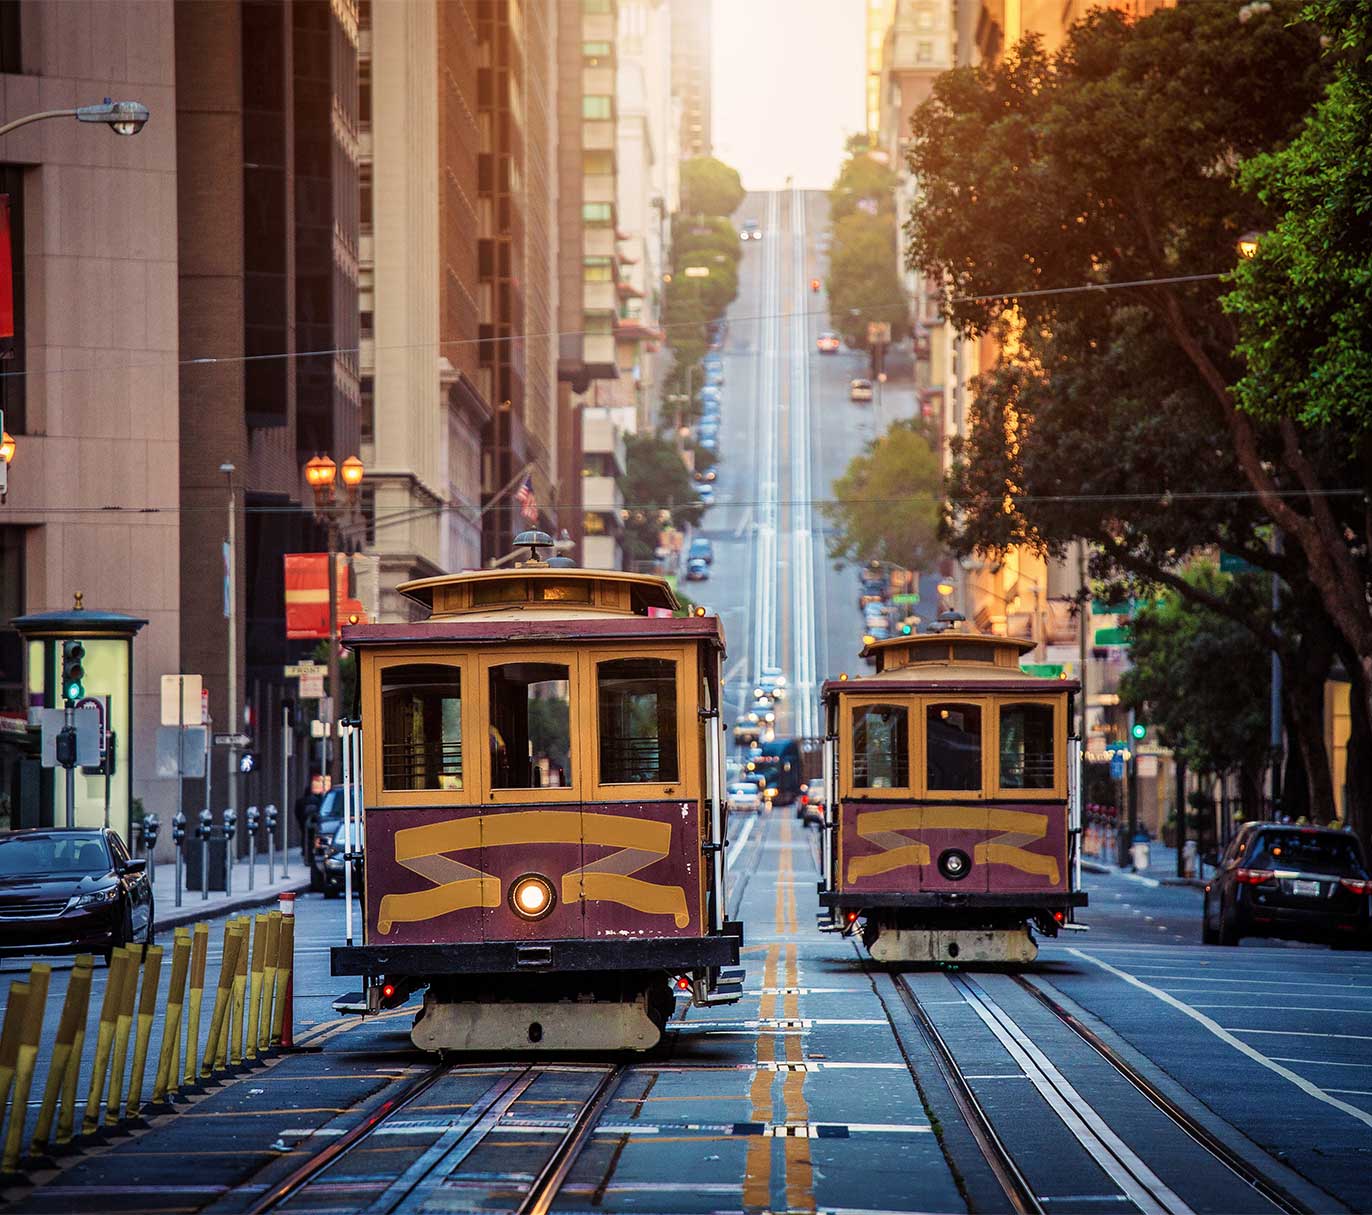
(1303, 305)
(886, 505)
(709, 187)
(657, 490)
(863, 183)
(1217, 726)
(863, 283)
(1115, 161)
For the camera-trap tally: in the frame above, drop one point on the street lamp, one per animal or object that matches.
(1248, 245)
(122, 117)
(321, 474)
(6, 455)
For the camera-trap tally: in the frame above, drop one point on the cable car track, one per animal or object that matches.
(443, 1160)
(1141, 1187)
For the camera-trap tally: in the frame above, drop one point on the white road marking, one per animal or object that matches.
(1300, 1033)
(736, 845)
(1306, 1086)
(1365, 1012)
(1318, 1063)
(1153, 883)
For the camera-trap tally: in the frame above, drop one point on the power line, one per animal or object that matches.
(1084, 287)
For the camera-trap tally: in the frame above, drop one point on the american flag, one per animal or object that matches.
(528, 507)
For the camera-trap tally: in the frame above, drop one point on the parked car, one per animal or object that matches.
(1301, 883)
(322, 829)
(702, 548)
(334, 859)
(707, 475)
(771, 684)
(709, 443)
(810, 805)
(697, 570)
(827, 343)
(65, 890)
(743, 795)
(860, 390)
(705, 492)
(750, 230)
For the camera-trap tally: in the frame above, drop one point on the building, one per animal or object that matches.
(90, 393)
(878, 16)
(692, 73)
(424, 396)
(516, 47)
(266, 210)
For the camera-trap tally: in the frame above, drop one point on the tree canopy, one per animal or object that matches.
(709, 187)
(865, 184)
(886, 504)
(657, 490)
(863, 283)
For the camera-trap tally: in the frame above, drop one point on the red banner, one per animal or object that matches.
(307, 596)
(6, 282)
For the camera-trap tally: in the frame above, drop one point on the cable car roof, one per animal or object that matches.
(937, 661)
(566, 592)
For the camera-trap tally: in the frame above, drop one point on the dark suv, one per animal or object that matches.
(1301, 883)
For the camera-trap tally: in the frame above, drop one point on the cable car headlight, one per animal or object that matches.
(532, 896)
(954, 864)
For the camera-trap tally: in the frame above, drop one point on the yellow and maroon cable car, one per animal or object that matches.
(953, 824)
(541, 810)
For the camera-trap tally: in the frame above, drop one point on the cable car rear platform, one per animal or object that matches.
(952, 900)
(671, 954)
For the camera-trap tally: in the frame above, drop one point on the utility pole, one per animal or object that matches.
(231, 612)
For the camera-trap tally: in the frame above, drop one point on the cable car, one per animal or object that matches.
(953, 823)
(542, 776)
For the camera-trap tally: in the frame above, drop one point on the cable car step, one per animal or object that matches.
(351, 1002)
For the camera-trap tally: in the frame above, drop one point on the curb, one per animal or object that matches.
(178, 917)
(1098, 867)
(1095, 867)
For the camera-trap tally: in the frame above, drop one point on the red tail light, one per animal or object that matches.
(1356, 885)
(1057, 915)
(388, 991)
(1254, 877)
(683, 984)
(804, 799)
(852, 917)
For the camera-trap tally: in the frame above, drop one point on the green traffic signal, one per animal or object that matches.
(1138, 730)
(73, 673)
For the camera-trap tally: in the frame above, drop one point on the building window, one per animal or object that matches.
(10, 57)
(1026, 746)
(599, 108)
(598, 270)
(925, 19)
(595, 6)
(953, 746)
(593, 524)
(597, 161)
(421, 727)
(364, 93)
(12, 353)
(881, 747)
(924, 51)
(366, 388)
(597, 213)
(637, 699)
(593, 52)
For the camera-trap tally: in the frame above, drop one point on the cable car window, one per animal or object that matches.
(637, 714)
(529, 732)
(421, 727)
(881, 747)
(1026, 746)
(952, 746)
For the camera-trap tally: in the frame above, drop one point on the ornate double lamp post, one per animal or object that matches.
(333, 510)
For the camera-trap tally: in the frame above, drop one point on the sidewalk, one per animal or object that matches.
(1162, 868)
(195, 907)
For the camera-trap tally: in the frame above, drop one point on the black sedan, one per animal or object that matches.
(322, 827)
(1300, 883)
(72, 891)
(335, 857)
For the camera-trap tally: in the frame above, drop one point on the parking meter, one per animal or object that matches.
(152, 825)
(202, 832)
(252, 820)
(270, 817)
(230, 849)
(178, 834)
(252, 817)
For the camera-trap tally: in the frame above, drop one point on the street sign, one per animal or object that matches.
(299, 669)
(311, 686)
(188, 712)
(87, 722)
(878, 333)
(232, 740)
(906, 599)
(188, 752)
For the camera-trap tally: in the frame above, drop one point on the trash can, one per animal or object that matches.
(218, 854)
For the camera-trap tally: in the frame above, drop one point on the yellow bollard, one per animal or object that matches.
(30, 1036)
(147, 1011)
(15, 1011)
(264, 1026)
(200, 949)
(259, 944)
(238, 1023)
(284, 963)
(169, 1058)
(71, 1035)
(217, 1042)
(123, 1026)
(71, 1073)
(104, 1036)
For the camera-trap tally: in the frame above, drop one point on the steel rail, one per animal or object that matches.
(549, 1181)
(1271, 1190)
(997, 1156)
(301, 1176)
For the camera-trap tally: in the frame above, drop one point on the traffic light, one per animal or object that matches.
(906, 629)
(73, 673)
(1139, 730)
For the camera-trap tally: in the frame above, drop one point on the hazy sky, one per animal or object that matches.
(788, 87)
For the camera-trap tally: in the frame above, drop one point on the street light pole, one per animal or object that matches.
(122, 117)
(231, 611)
(334, 698)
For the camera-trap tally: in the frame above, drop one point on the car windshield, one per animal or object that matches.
(50, 854)
(743, 790)
(1310, 851)
(332, 805)
(340, 836)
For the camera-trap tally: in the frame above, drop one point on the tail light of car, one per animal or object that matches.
(1254, 877)
(1357, 885)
